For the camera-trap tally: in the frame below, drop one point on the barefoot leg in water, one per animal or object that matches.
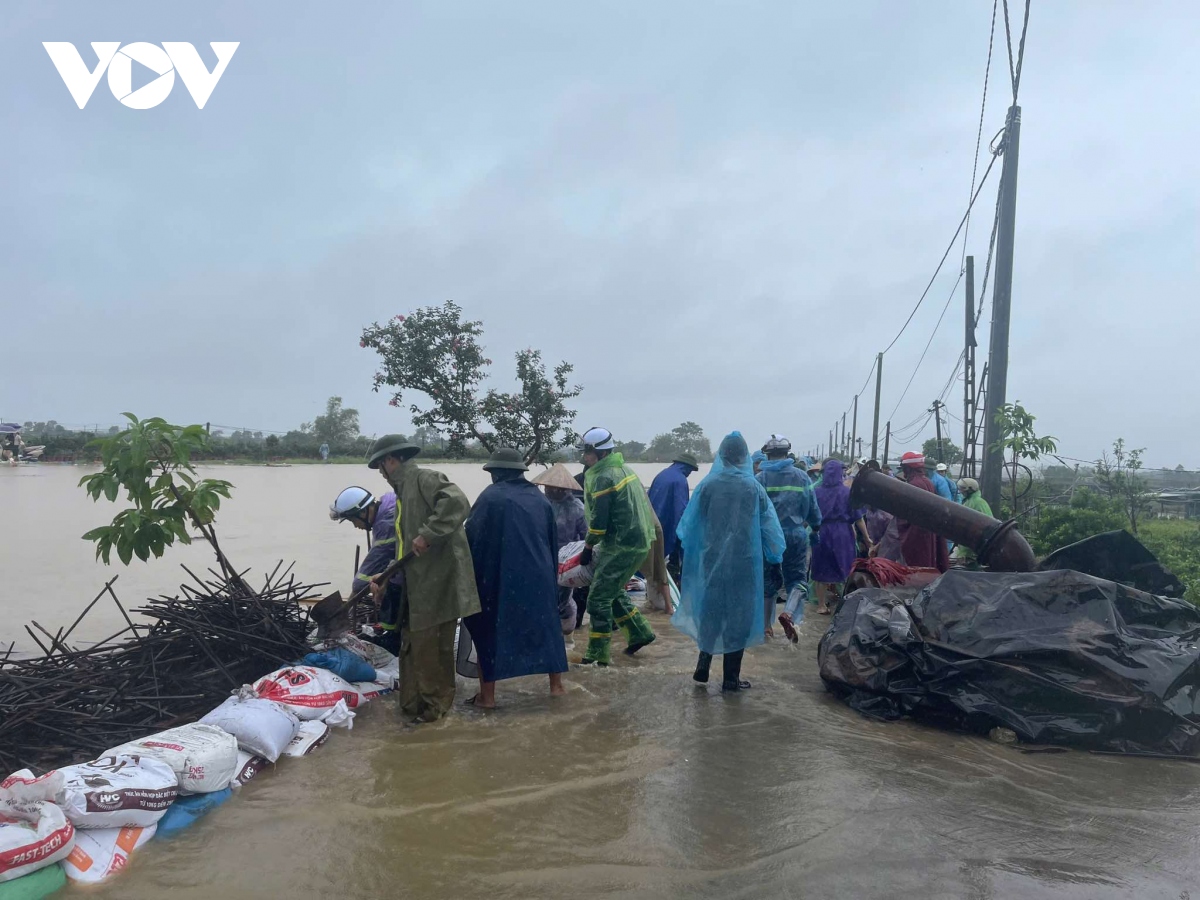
(556, 684)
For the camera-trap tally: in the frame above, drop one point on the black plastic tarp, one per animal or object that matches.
(1117, 556)
(1059, 657)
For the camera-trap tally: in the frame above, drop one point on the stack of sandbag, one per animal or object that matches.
(385, 668)
(203, 758)
(34, 832)
(311, 693)
(571, 571)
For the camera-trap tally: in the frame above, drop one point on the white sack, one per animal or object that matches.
(261, 727)
(203, 758)
(311, 693)
(309, 737)
(100, 853)
(34, 833)
(121, 791)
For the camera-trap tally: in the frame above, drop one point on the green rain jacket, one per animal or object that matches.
(977, 503)
(440, 584)
(618, 510)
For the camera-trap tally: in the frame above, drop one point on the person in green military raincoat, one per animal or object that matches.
(620, 532)
(439, 583)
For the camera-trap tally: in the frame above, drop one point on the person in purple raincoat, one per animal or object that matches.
(834, 554)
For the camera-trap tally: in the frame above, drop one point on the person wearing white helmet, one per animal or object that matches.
(791, 493)
(376, 516)
(941, 484)
(621, 532)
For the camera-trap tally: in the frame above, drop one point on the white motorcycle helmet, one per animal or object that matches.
(350, 504)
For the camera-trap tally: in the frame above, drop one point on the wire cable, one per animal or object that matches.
(987, 71)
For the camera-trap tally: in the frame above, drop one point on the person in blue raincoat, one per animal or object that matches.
(669, 494)
(514, 546)
(791, 493)
(364, 511)
(728, 529)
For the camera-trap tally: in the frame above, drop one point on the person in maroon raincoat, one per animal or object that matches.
(920, 547)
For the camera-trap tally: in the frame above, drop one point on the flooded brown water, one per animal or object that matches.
(637, 783)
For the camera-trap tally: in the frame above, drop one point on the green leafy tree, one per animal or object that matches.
(1118, 477)
(685, 438)
(338, 427)
(151, 462)
(631, 450)
(1018, 439)
(437, 353)
(1087, 514)
(951, 455)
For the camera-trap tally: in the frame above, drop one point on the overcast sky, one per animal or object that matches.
(718, 211)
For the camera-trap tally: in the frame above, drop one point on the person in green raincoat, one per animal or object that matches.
(620, 532)
(971, 499)
(439, 583)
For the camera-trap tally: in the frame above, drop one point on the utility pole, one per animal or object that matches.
(967, 469)
(878, 387)
(937, 417)
(887, 443)
(993, 456)
(830, 453)
(854, 427)
(842, 442)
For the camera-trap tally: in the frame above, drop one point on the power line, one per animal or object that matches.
(1015, 71)
(987, 71)
(928, 344)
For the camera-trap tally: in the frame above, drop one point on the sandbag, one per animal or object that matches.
(35, 886)
(1058, 657)
(186, 811)
(311, 693)
(34, 832)
(261, 727)
(120, 791)
(309, 736)
(342, 663)
(100, 853)
(203, 758)
(571, 573)
(377, 656)
(248, 766)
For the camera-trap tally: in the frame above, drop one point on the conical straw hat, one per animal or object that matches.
(558, 476)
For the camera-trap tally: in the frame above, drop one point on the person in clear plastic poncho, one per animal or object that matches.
(728, 529)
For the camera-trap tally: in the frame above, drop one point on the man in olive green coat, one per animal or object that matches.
(439, 582)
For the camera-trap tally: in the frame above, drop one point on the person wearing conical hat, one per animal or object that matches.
(514, 547)
(439, 581)
(620, 533)
(570, 524)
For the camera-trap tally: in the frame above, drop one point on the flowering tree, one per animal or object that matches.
(436, 353)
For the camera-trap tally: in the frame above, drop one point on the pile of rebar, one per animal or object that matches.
(179, 661)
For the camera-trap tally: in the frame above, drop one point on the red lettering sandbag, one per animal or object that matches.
(34, 832)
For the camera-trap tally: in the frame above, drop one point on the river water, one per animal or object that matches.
(637, 783)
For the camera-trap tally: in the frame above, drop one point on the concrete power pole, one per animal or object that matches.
(993, 457)
(878, 387)
(854, 427)
(967, 468)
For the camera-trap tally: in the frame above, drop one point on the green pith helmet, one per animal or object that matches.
(389, 444)
(505, 458)
(687, 459)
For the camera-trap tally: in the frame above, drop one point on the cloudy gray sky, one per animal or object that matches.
(718, 211)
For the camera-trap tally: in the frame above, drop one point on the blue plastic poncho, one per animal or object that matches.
(727, 530)
(669, 496)
(791, 492)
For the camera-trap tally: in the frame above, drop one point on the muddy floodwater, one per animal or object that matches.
(637, 783)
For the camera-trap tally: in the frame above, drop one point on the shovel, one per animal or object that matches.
(333, 616)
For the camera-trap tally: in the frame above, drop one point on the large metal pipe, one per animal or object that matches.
(998, 545)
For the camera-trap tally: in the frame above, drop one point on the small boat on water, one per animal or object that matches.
(13, 449)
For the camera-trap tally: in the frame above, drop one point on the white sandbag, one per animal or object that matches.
(203, 758)
(34, 832)
(377, 656)
(571, 573)
(120, 791)
(261, 727)
(311, 693)
(370, 690)
(100, 853)
(309, 736)
(248, 765)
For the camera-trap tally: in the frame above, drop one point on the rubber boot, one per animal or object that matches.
(702, 666)
(731, 676)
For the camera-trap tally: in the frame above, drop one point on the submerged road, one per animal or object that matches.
(638, 783)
